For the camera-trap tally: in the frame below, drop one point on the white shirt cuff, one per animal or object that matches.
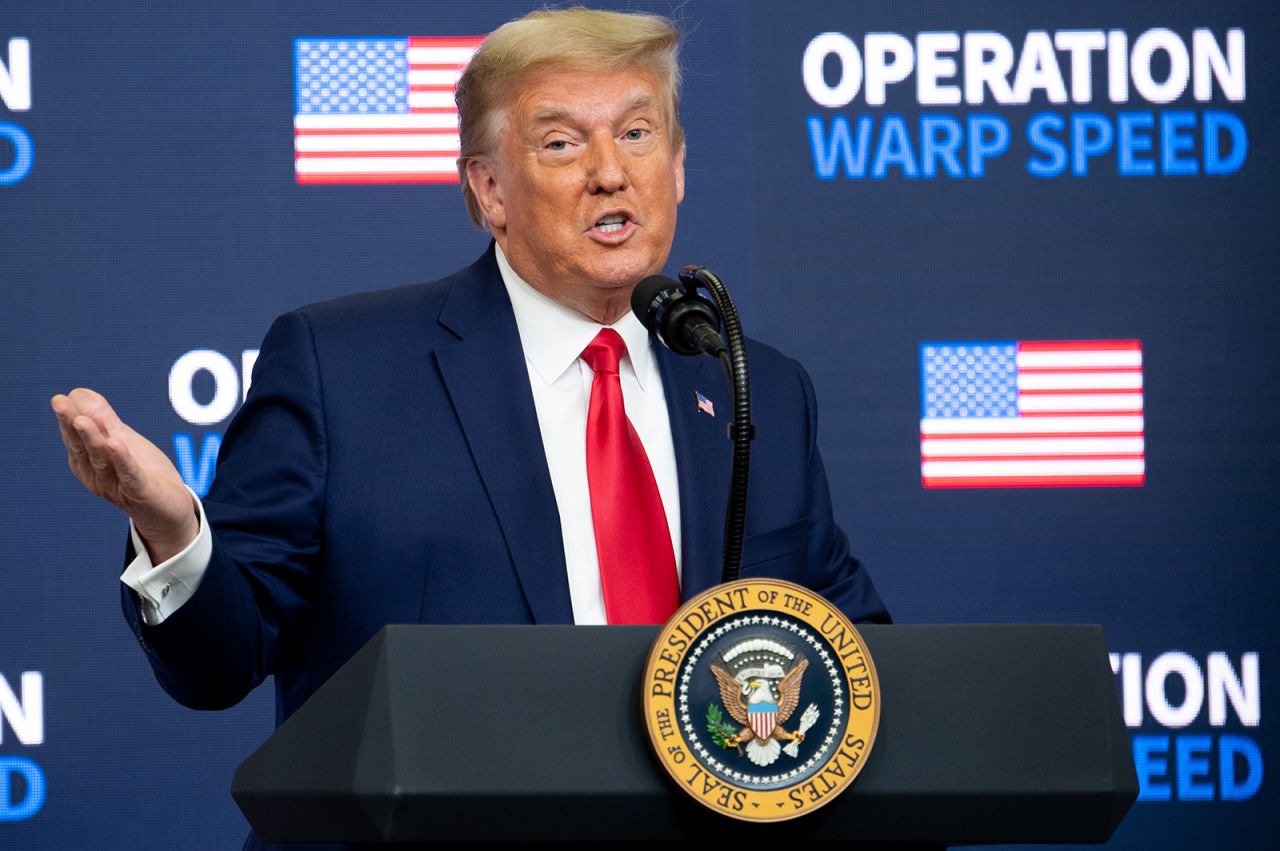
(163, 588)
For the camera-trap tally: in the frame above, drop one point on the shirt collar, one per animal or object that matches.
(554, 335)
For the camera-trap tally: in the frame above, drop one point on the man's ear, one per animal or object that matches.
(487, 191)
(679, 169)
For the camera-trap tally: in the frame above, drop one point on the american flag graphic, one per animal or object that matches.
(706, 405)
(1031, 414)
(377, 110)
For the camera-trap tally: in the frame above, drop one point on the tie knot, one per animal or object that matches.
(604, 352)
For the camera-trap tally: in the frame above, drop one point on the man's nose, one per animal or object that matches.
(607, 169)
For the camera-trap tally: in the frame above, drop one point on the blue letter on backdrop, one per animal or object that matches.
(944, 146)
(1228, 748)
(894, 148)
(1135, 138)
(988, 137)
(31, 803)
(1174, 139)
(1149, 758)
(24, 154)
(1055, 152)
(1214, 162)
(1193, 762)
(1086, 144)
(841, 147)
(197, 475)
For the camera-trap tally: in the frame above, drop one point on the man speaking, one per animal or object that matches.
(505, 445)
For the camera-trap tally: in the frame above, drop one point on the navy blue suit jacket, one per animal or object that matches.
(387, 467)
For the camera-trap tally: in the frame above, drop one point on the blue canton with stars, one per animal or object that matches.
(336, 75)
(969, 380)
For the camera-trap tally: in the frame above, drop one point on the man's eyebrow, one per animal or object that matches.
(556, 114)
(550, 115)
(639, 101)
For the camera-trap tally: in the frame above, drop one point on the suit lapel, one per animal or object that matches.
(487, 379)
(703, 463)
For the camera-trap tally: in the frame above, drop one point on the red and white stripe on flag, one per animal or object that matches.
(1074, 414)
(379, 110)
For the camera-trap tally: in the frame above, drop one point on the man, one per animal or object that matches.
(446, 453)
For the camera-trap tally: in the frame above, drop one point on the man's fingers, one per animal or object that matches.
(64, 410)
(77, 454)
(112, 460)
(94, 404)
(94, 441)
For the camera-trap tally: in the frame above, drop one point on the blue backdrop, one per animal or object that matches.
(869, 178)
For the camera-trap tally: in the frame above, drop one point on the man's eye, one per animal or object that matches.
(557, 145)
(636, 134)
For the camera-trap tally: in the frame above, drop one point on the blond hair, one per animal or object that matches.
(554, 39)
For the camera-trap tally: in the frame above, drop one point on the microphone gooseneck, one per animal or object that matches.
(686, 323)
(741, 429)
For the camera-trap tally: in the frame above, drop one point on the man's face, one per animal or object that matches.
(582, 190)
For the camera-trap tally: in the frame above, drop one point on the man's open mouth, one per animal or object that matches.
(611, 224)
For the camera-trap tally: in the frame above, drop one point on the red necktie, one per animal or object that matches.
(637, 564)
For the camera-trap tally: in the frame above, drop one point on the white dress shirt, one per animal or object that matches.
(553, 337)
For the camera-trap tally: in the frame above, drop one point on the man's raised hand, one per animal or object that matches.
(120, 465)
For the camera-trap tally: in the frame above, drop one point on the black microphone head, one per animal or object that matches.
(674, 314)
(650, 297)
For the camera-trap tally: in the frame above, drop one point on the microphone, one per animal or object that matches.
(685, 322)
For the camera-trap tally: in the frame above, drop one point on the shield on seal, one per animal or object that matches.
(763, 718)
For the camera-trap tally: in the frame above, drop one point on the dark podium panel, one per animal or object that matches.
(987, 734)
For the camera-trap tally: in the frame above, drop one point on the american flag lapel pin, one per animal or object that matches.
(705, 405)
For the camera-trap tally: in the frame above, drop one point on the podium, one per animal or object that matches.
(988, 734)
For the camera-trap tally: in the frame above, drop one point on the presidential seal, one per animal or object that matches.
(761, 700)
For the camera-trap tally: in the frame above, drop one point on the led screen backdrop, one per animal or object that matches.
(1026, 251)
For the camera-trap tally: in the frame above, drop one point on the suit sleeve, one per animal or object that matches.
(833, 571)
(248, 617)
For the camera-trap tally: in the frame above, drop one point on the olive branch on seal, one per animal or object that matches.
(723, 734)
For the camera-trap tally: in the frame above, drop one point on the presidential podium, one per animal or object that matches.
(988, 734)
